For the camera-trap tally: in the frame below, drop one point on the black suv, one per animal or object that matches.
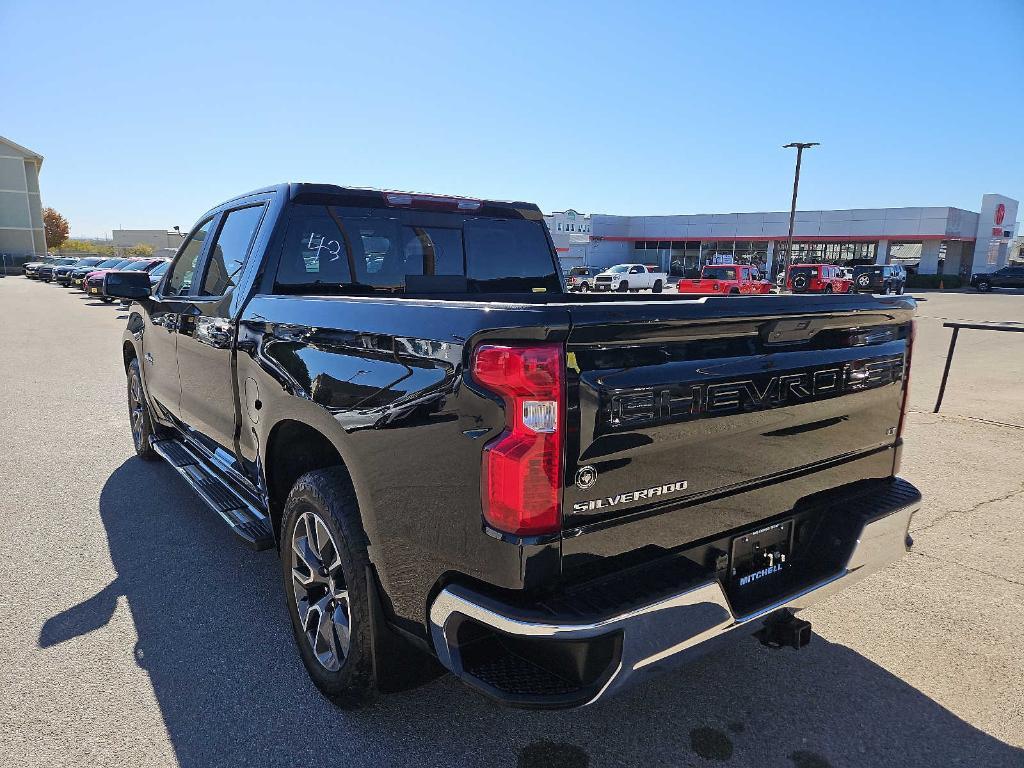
(879, 278)
(1007, 277)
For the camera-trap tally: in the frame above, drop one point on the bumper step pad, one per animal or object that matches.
(246, 521)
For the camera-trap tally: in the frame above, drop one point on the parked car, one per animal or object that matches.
(581, 278)
(31, 268)
(95, 275)
(1007, 277)
(63, 275)
(630, 277)
(79, 273)
(817, 278)
(879, 278)
(464, 466)
(46, 271)
(727, 279)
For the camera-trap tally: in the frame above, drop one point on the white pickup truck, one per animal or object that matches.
(630, 277)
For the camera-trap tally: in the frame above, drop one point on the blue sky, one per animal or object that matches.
(148, 116)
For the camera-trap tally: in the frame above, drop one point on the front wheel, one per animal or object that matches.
(887, 290)
(324, 564)
(138, 414)
(984, 286)
(623, 286)
(828, 289)
(584, 287)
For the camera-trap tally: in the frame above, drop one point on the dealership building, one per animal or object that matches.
(943, 240)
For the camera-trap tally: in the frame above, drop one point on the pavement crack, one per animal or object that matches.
(982, 571)
(970, 510)
(977, 419)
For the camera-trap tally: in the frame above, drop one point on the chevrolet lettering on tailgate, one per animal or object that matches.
(682, 402)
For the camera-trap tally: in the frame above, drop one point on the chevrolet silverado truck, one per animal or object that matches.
(463, 467)
(725, 278)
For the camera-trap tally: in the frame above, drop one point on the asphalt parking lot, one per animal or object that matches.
(135, 631)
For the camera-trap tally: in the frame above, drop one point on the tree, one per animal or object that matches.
(56, 227)
(84, 246)
(139, 249)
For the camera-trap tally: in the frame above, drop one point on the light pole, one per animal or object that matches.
(800, 147)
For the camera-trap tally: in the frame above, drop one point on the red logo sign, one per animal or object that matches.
(1000, 213)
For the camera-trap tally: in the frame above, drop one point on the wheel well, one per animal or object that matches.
(128, 351)
(294, 449)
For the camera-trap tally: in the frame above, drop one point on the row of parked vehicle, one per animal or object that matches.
(738, 279)
(86, 274)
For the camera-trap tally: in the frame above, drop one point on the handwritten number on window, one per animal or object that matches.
(333, 247)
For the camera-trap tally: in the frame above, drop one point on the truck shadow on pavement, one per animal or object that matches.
(215, 640)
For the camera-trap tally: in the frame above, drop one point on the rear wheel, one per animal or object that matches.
(324, 561)
(888, 289)
(657, 286)
(984, 286)
(138, 414)
(828, 289)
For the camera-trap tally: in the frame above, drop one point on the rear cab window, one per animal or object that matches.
(330, 248)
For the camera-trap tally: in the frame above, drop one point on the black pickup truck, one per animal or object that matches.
(464, 466)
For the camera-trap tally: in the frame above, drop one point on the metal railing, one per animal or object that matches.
(956, 326)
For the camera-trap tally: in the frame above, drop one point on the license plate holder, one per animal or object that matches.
(758, 556)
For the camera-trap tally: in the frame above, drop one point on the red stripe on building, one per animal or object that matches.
(796, 238)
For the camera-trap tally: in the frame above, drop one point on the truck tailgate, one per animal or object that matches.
(677, 406)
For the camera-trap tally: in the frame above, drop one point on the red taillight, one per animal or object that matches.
(522, 469)
(906, 380)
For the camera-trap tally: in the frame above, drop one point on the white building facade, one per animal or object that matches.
(932, 240)
(157, 238)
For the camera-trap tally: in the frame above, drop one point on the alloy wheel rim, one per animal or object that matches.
(136, 408)
(320, 591)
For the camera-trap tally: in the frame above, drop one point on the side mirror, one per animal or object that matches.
(126, 285)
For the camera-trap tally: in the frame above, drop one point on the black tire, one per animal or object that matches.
(899, 290)
(828, 289)
(584, 287)
(138, 414)
(106, 299)
(657, 286)
(327, 494)
(984, 286)
(734, 291)
(623, 286)
(888, 289)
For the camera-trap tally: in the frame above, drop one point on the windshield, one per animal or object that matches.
(107, 263)
(399, 251)
(135, 266)
(159, 269)
(90, 262)
(619, 269)
(579, 271)
(65, 262)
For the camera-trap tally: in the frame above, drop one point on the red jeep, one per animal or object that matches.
(726, 278)
(817, 278)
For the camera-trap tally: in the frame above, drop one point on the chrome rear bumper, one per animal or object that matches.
(649, 637)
